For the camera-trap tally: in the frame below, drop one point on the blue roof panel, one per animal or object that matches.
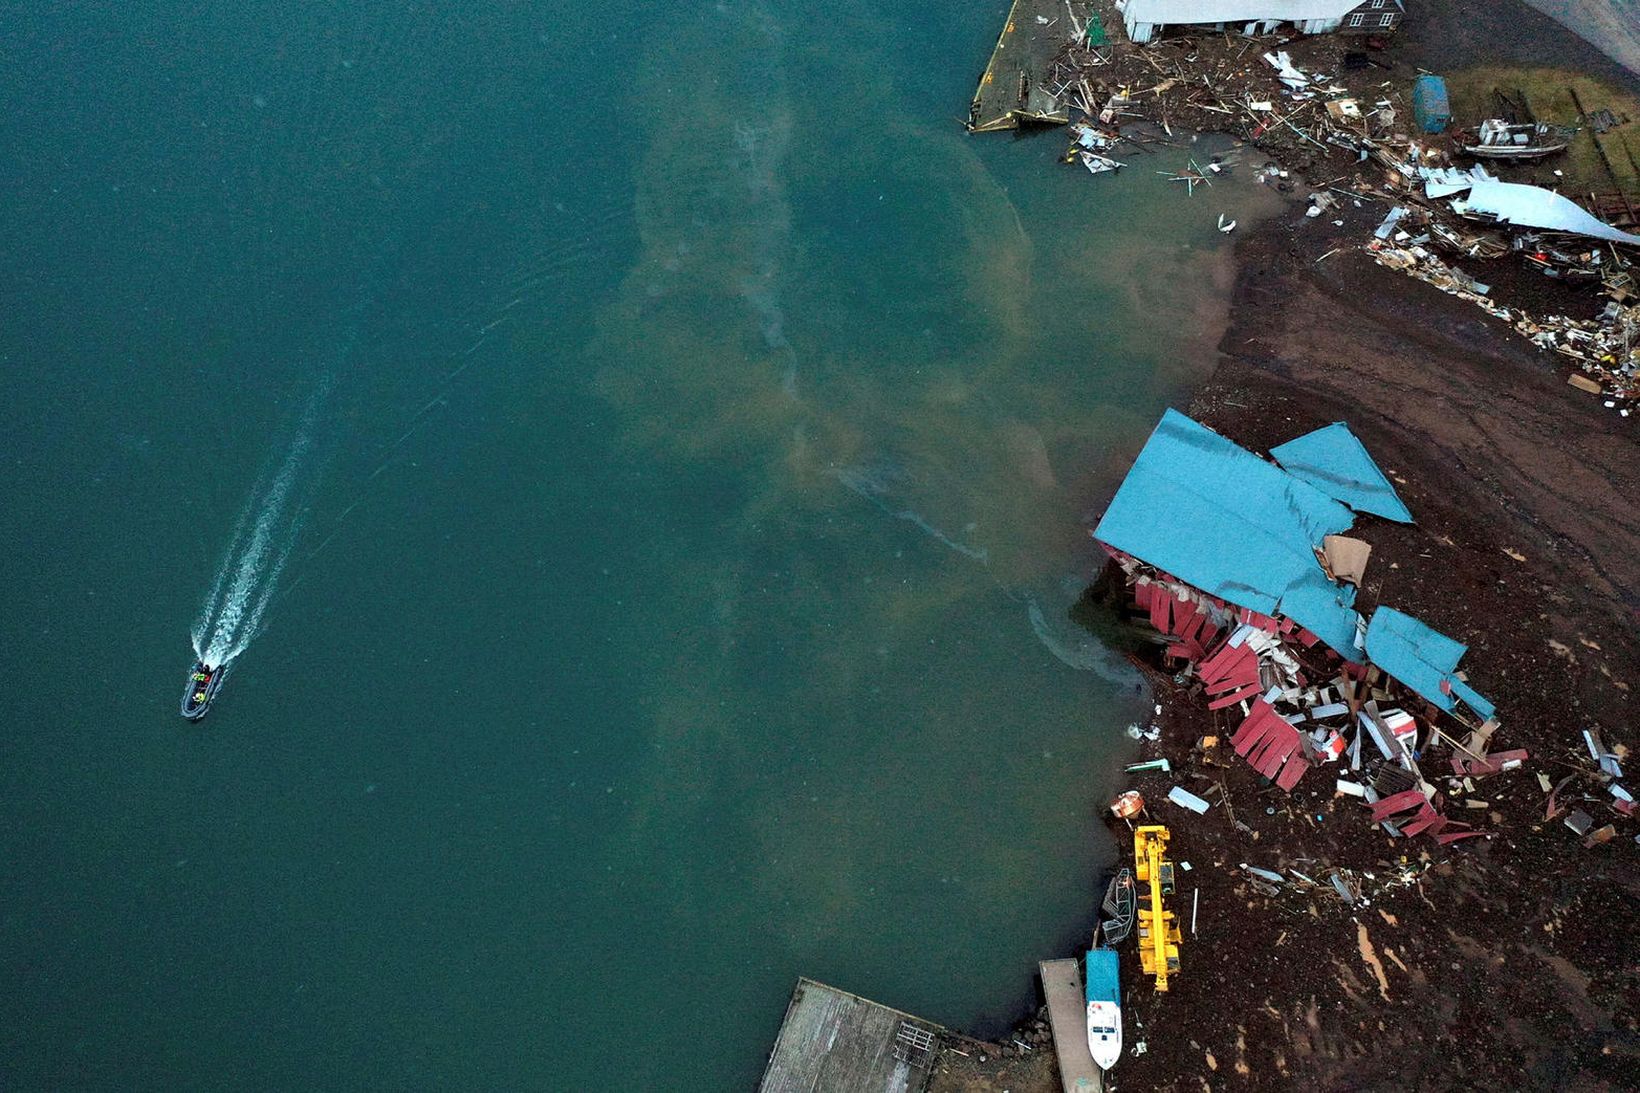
(1216, 516)
(1321, 607)
(1334, 461)
(1421, 658)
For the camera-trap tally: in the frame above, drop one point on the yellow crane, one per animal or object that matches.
(1159, 936)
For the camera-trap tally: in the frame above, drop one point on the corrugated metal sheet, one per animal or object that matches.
(1423, 659)
(1534, 207)
(1446, 181)
(1334, 461)
(1271, 745)
(1219, 518)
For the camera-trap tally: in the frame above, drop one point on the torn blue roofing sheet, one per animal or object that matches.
(1421, 658)
(1334, 461)
(1218, 517)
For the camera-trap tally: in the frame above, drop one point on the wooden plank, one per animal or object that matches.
(1068, 1016)
(1011, 89)
(832, 1039)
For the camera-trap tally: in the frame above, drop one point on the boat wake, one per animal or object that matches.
(262, 540)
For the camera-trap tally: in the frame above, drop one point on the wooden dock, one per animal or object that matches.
(1013, 90)
(835, 1042)
(1068, 1015)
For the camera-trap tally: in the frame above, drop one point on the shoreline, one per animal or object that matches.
(1506, 957)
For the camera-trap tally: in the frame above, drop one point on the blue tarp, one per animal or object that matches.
(1430, 107)
(1334, 461)
(1421, 658)
(1218, 517)
(1103, 984)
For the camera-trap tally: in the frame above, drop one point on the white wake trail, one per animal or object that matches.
(249, 576)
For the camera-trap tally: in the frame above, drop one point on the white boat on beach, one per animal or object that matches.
(1499, 139)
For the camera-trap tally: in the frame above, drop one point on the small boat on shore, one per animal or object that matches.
(1499, 139)
(203, 684)
(1104, 991)
(1121, 901)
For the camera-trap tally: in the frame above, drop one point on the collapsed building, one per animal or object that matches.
(1241, 568)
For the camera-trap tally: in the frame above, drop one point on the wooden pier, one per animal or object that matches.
(1013, 90)
(1068, 1015)
(835, 1042)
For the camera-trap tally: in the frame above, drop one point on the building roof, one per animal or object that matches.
(1218, 517)
(1423, 659)
(1334, 461)
(1446, 181)
(1534, 207)
(1230, 11)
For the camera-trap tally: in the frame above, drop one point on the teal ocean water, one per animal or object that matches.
(639, 463)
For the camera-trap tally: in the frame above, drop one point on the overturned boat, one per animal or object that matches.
(1499, 139)
(204, 682)
(1104, 1008)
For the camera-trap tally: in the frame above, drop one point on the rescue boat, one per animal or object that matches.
(203, 684)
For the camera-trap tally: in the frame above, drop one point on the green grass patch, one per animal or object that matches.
(1549, 92)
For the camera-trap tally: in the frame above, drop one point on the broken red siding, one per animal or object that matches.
(1271, 745)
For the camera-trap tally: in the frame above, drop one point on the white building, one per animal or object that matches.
(1147, 19)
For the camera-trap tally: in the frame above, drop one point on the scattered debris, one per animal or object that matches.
(1438, 217)
(1128, 805)
(1185, 799)
(1233, 583)
(1099, 164)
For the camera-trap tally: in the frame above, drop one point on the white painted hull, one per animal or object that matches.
(1104, 1033)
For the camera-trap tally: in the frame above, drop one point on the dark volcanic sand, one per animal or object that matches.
(1513, 963)
(1513, 960)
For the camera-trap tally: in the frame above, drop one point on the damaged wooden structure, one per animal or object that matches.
(1146, 20)
(1240, 567)
(831, 1039)
(1471, 213)
(1361, 124)
(1014, 89)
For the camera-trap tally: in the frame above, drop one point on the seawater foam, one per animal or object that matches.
(249, 576)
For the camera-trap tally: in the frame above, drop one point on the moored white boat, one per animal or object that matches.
(1104, 991)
